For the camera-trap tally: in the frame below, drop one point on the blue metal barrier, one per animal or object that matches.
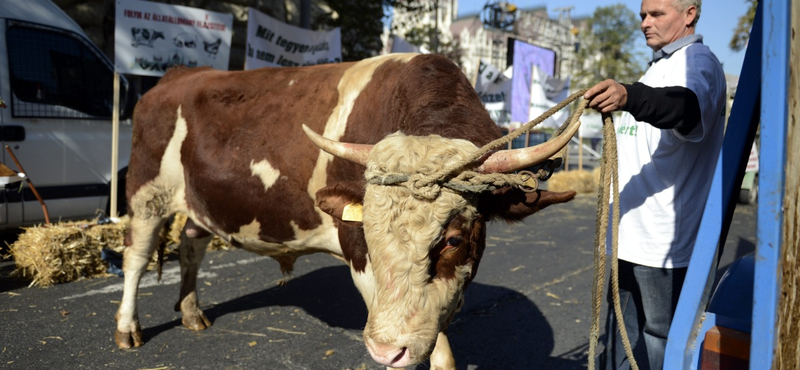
(762, 94)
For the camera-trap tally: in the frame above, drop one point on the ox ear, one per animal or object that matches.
(342, 201)
(512, 204)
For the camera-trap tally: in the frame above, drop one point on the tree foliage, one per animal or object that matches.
(608, 47)
(361, 23)
(361, 26)
(742, 31)
(423, 36)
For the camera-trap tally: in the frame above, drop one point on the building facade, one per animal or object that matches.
(477, 39)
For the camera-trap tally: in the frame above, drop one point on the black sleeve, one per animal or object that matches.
(674, 107)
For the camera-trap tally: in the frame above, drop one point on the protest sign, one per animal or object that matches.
(494, 89)
(151, 37)
(524, 56)
(546, 92)
(271, 43)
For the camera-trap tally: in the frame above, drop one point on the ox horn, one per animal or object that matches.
(356, 153)
(510, 160)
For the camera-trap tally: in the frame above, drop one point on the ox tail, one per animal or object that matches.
(160, 263)
(165, 237)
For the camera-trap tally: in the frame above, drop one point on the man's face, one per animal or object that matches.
(662, 23)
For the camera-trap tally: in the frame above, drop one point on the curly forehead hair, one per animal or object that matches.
(683, 4)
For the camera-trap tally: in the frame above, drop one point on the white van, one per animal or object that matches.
(58, 90)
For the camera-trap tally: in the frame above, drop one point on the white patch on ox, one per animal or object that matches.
(291, 83)
(323, 238)
(354, 80)
(265, 172)
(352, 83)
(365, 283)
(248, 234)
(166, 190)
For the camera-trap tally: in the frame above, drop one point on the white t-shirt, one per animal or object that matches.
(664, 176)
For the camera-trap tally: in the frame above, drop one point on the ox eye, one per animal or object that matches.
(453, 242)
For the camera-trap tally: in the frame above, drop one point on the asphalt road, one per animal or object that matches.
(528, 308)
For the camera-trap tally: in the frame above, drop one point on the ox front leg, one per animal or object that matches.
(144, 237)
(192, 250)
(442, 356)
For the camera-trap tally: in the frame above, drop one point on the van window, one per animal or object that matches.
(56, 74)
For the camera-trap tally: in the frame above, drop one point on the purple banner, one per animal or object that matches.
(525, 56)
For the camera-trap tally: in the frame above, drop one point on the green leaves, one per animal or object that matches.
(608, 47)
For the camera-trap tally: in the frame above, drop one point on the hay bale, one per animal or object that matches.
(66, 251)
(5, 171)
(580, 181)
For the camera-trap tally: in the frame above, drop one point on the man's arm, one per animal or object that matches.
(672, 107)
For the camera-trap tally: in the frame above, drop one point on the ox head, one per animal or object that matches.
(422, 250)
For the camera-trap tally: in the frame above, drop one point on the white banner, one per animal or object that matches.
(151, 37)
(271, 43)
(494, 89)
(547, 92)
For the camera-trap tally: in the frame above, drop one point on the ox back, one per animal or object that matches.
(239, 164)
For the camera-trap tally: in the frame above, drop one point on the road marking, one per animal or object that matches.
(237, 263)
(168, 277)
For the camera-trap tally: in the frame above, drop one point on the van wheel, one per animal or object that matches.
(122, 200)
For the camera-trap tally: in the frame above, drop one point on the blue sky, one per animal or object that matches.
(718, 18)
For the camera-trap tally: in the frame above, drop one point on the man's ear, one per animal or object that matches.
(342, 201)
(691, 14)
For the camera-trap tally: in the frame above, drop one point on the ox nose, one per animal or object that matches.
(388, 354)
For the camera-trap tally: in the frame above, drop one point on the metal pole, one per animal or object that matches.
(114, 149)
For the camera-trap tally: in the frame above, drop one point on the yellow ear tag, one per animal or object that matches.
(352, 212)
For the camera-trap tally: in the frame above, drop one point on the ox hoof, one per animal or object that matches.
(128, 340)
(196, 322)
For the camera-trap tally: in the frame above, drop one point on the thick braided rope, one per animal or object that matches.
(601, 223)
(609, 167)
(429, 186)
(466, 182)
(615, 246)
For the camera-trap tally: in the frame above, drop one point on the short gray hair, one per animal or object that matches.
(683, 4)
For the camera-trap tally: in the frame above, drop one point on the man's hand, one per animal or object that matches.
(607, 96)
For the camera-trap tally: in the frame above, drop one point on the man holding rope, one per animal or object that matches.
(668, 138)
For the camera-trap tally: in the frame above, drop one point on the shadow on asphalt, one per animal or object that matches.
(496, 326)
(327, 294)
(499, 326)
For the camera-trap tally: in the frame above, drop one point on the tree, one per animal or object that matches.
(607, 47)
(361, 26)
(361, 23)
(423, 35)
(742, 31)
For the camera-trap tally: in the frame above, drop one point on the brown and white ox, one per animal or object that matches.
(228, 150)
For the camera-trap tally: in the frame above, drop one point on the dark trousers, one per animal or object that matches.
(648, 297)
